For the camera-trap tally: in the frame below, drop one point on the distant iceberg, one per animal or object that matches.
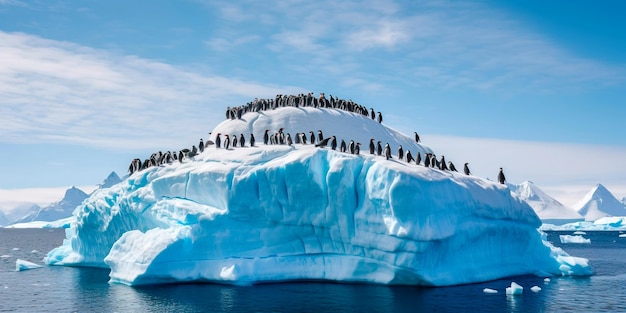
(573, 239)
(276, 213)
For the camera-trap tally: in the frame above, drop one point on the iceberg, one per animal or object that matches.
(274, 213)
(23, 265)
(573, 239)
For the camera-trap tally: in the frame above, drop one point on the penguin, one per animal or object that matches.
(372, 146)
(226, 142)
(323, 142)
(320, 137)
(501, 178)
(357, 148)
(242, 141)
(417, 137)
(181, 155)
(400, 153)
(201, 146)
(289, 141)
(409, 157)
(451, 166)
(379, 148)
(303, 138)
(342, 147)
(442, 164)
(373, 114)
(466, 169)
(218, 140)
(312, 137)
(234, 141)
(351, 146)
(427, 160)
(297, 137)
(266, 136)
(333, 143)
(418, 160)
(387, 152)
(380, 117)
(252, 140)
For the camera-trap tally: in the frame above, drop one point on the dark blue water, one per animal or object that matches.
(68, 289)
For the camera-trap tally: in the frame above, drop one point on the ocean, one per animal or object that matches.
(74, 289)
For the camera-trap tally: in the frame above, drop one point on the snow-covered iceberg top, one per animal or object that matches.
(280, 213)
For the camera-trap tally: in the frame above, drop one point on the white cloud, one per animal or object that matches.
(62, 92)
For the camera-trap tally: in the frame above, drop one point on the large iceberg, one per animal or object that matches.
(275, 213)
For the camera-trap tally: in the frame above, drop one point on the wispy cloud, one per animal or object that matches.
(443, 44)
(62, 92)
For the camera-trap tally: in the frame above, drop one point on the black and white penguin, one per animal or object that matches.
(298, 139)
(452, 167)
(357, 148)
(312, 137)
(320, 136)
(242, 141)
(442, 164)
(372, 146)
(323, 142)
(417, 137)
(426, 160)
(501, 178)
(373, 113)
(400, 153)
(333, 143)
(351, 146)
(252, 140)
(409, 157)
(218, 141)
(226, 142)
(466, 169)
(303, 138)
(234, 141)
(342, 146)
(201, 146)
(418, 159)
(380, 117)
(387, 151)
(266, 136)
(379, 148)
(289, 141)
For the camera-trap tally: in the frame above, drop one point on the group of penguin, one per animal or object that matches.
(280, 137)
(302, 100)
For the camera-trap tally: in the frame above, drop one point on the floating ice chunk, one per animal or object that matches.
(4, 256)
(546, 280)
(34, 251)
(580, 232)
(489, 290)
(622, 235)
(515, 289)
(574, 239)
(15, 249)
(535, 288)
(22, 265)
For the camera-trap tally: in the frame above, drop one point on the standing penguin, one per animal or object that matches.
(400, 153)
(452, 167)
(303, 138)
(357, 148)
(320, 136)
(387, 152)
(501, 178)
(442, 164)
(289, 141)
(379, 148)
(226, 142)
(218, 140)
(242, 141)
(297, 138)
(417, 137)
(312, 137)
(351, 146)
(409, 157)
(426, 160)
(466, 169)
(380, 117)
(234, 141)
(372, 146)
(252, 140)
(333, 143)
(201, 146)
(342, 147)
(418, 160)
(373, 113)
(266, 136)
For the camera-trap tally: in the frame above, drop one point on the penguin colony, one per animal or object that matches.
(281, 138)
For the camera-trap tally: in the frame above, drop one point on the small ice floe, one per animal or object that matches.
(622, 235)
(515, 289)
(15, 249)
(34, 251)
(535, 288)
(22, 265)
(546, 280)
(573, 239)
(489, 290)
(579, 232)
(4, 256)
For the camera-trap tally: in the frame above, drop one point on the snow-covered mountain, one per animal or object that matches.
(278, 212)
(18, 212)
(547, 208)
(57, 210)
(600, 202)
(111, 180)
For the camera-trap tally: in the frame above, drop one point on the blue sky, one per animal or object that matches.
(85, 86)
